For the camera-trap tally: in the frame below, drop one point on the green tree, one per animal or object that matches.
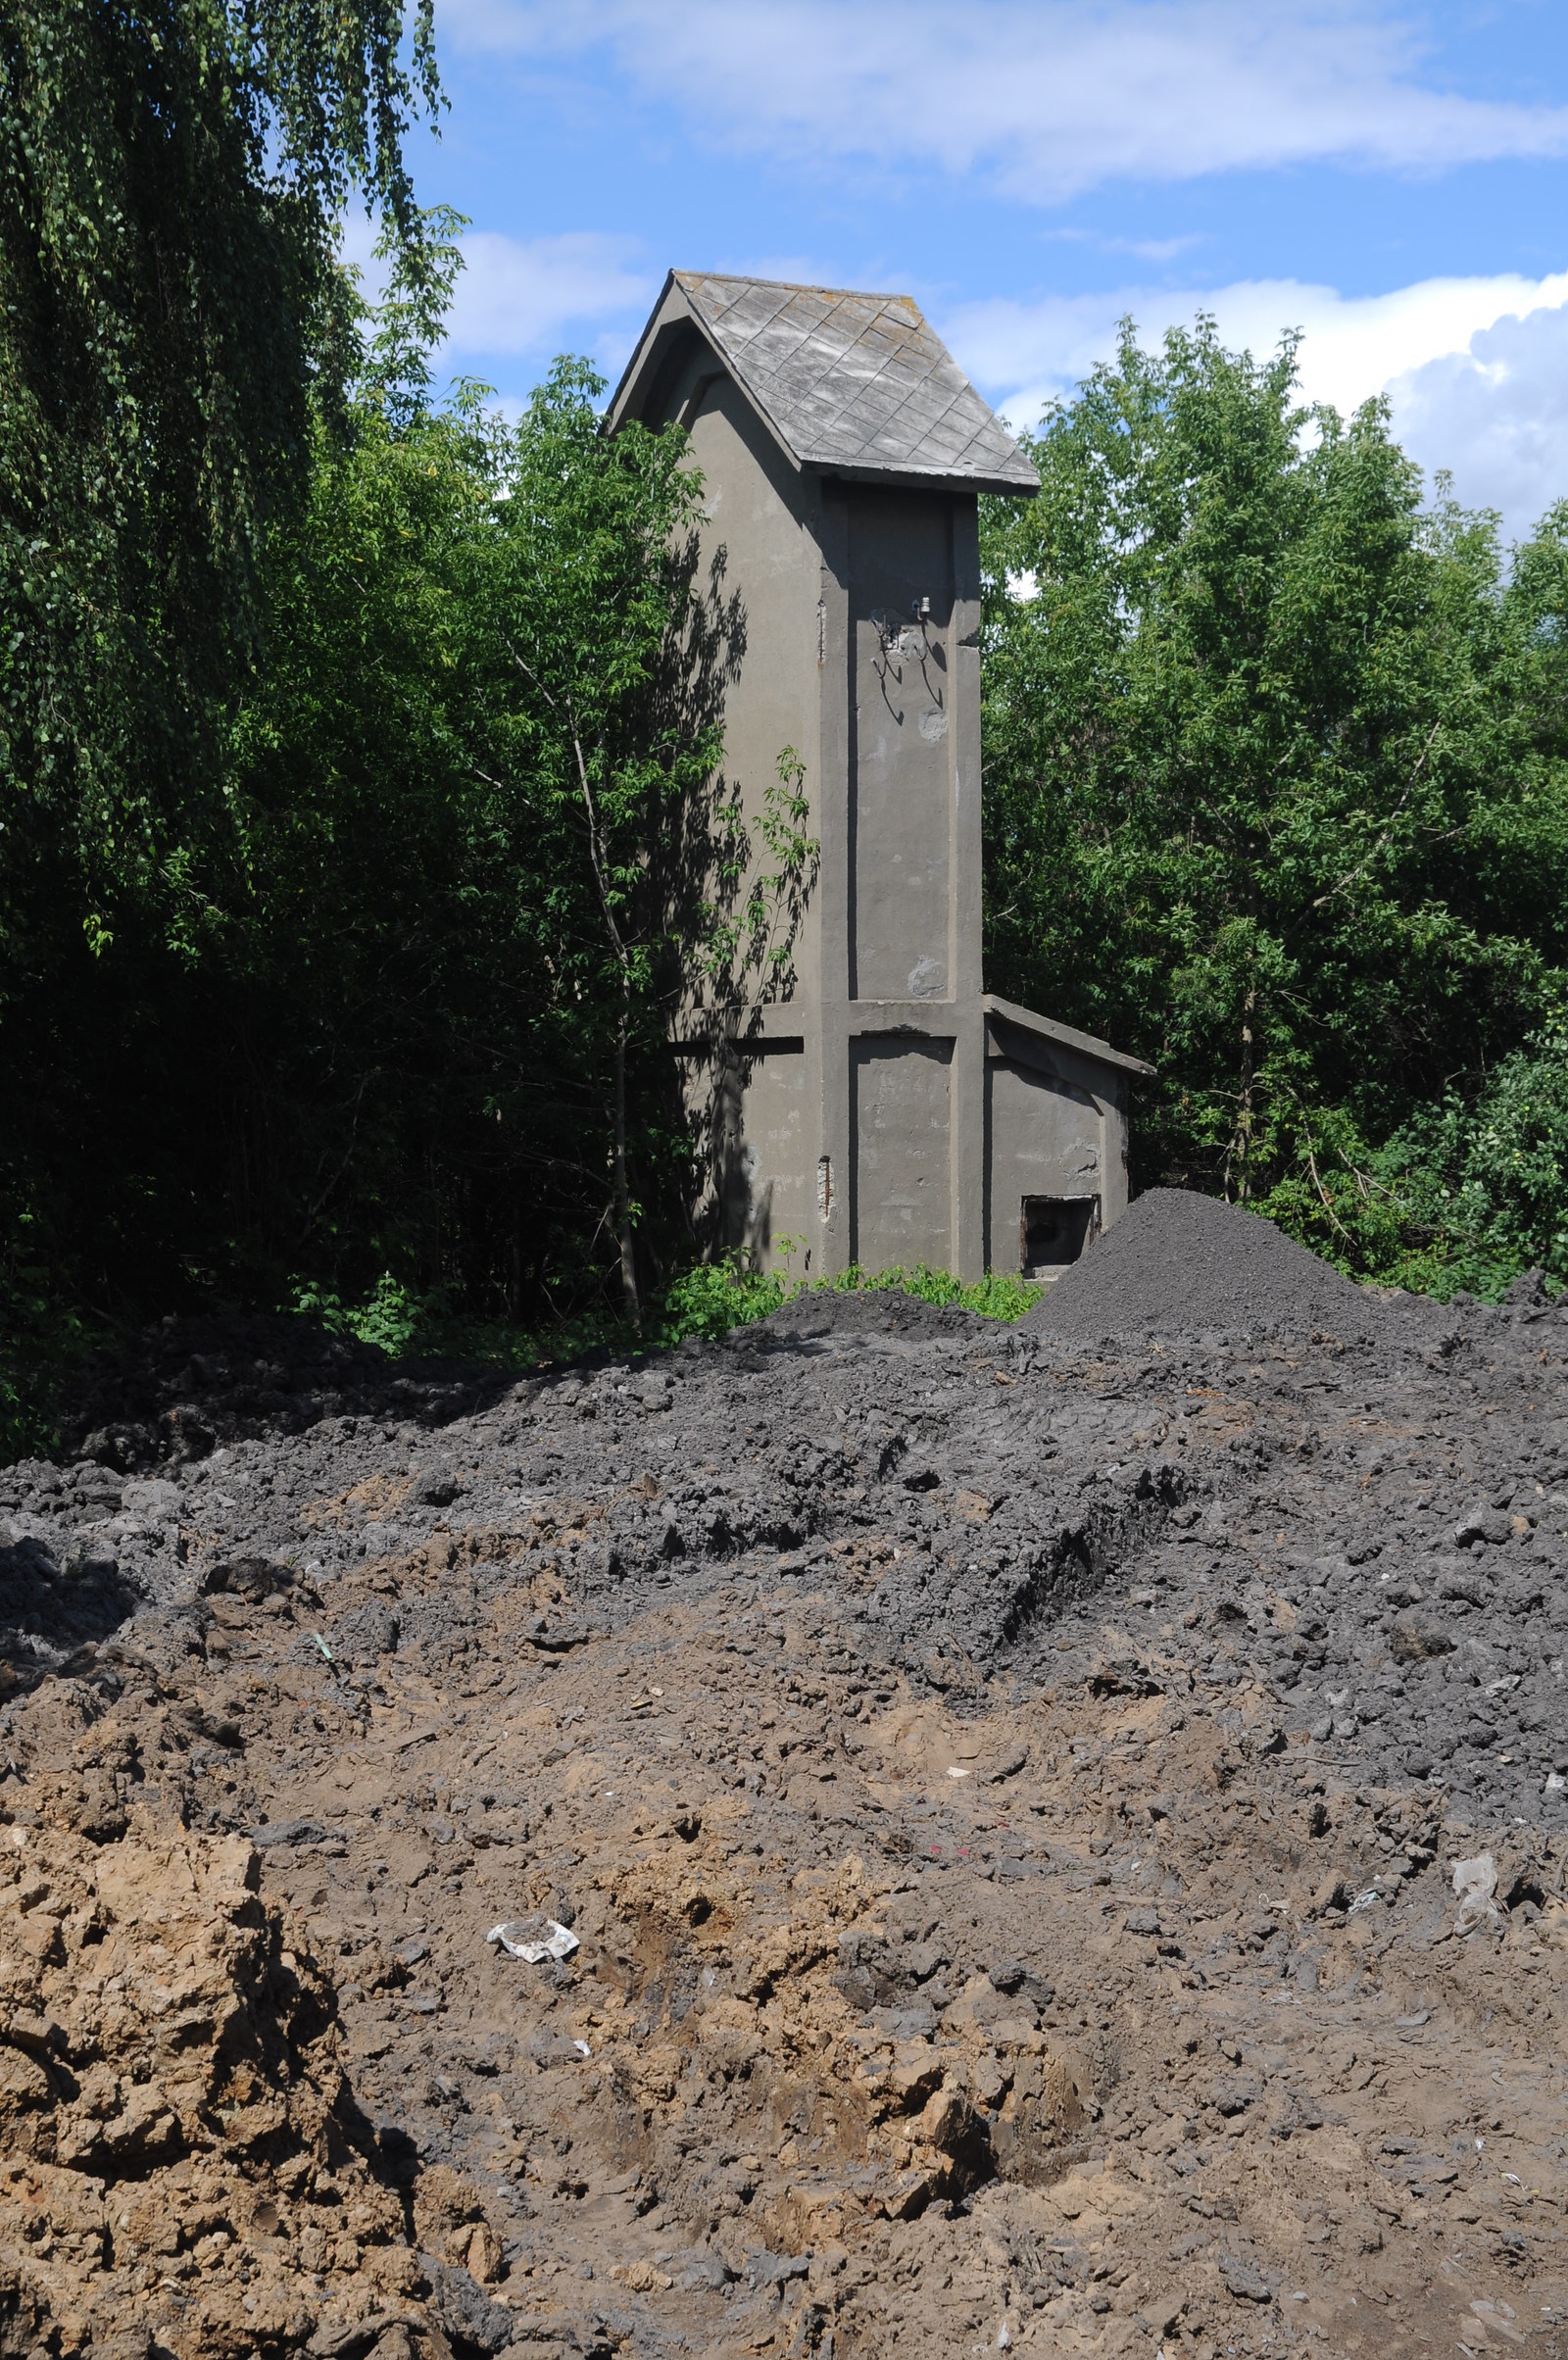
(345, 933)
(1274, 787)
(470, 791)
(171, 176)
(1471, 1190)
(602, 740)
(1489, 1180)
(175, 334)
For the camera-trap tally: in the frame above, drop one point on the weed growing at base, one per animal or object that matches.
(716, 1297)
(708, 1302)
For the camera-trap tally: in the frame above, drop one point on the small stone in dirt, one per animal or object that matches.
(552, 2049)
(252, 1578)
(639, 2278)
(1475, 1884)
(1468, 1584)
(1235, 2095)
(1419, 1639)
(776, 2268)
(1488, 1524)
(288, 1831)
(1245, 2280)
(701, 2270)
(1006, 1974)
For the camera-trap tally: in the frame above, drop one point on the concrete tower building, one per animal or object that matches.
(881, 1106)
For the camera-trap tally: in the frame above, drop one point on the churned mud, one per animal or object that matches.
(1054, 1837)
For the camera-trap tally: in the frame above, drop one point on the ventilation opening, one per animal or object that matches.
(1054, 1231)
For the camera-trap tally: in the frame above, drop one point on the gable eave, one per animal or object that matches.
(917, 479)
(652, 348)
(623, 401)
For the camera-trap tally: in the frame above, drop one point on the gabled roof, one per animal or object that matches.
(854, 385)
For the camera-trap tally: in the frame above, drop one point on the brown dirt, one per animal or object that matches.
(1076, 2001)
(1130, 2129)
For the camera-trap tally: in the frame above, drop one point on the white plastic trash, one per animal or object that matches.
(559, 1943)
(1475, 1885)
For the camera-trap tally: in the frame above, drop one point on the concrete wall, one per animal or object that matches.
(759, 545)
(901, 1111)
(1042, 1138)
(902, 851)
(1056, 1128)
(769, 1189)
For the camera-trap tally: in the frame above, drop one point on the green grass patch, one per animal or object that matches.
(716, 1297)
(708, 1300)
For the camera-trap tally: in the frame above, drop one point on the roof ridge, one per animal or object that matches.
(769, 284)
(799, 286)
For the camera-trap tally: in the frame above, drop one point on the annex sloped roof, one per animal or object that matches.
(855, 383)
(1066, 1036)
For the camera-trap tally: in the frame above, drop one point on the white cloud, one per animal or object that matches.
(1026, 354)
(1476, 369)
(1043, 98)
(1496, 415)
(528, 298)
(532, 297)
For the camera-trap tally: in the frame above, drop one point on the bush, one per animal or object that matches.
(1489, 1183)
(716, 1297)
(1468, 1193)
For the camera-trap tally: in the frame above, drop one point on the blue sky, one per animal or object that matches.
(1392, 180)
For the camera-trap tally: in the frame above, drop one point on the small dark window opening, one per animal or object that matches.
(1054, 1231)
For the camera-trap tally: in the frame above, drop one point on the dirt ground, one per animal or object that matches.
(1063, 1834)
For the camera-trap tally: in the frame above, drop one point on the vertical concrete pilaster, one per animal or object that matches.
(836, 1146)
(969, 1048)
(969, 1142)
(963, 663)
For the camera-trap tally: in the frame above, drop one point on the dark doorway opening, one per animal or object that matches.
(1054, 1231)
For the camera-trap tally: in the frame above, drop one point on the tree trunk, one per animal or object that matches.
(629, 1258)
(1243, 1111)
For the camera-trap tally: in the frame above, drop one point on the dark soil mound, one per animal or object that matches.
(884, 1311)
(1184, 1264)
(181, 1386)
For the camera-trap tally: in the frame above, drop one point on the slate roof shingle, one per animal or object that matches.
(858, 383)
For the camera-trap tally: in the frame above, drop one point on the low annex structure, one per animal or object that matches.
(874, 1104)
